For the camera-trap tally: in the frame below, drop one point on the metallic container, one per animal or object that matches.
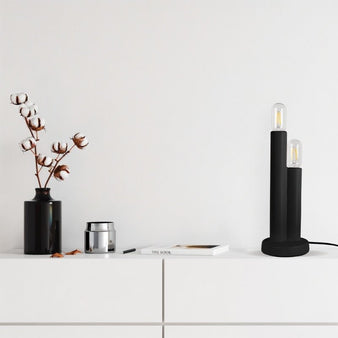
(100, 237)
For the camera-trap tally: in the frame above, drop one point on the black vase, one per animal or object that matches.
(42, 232)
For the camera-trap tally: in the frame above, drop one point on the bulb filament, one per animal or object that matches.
(279, 119)
(294, 155)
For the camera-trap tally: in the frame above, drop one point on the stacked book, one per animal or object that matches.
(186, 249)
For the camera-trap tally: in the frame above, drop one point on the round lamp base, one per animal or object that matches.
(285, 248)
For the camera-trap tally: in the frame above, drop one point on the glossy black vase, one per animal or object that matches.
(42, 232)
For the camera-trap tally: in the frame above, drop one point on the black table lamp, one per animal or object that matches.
(285, 192)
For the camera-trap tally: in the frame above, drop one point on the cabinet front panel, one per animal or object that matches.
(251, 331)
(80, 331)
(263, 290)
(80, 290)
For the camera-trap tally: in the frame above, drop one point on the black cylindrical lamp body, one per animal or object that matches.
(285, 204)
(294, 203)
(285, 193)
(278, 186)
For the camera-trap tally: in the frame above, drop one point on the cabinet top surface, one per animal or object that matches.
(316, 252)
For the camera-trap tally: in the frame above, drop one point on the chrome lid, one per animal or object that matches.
(100, 226)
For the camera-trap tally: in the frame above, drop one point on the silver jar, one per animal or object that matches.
(100, 237)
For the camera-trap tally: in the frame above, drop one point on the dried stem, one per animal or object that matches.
(35, 153)
(37, 169)
(57, 160)
(30, 130)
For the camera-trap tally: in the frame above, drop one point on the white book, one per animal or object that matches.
(186, 249)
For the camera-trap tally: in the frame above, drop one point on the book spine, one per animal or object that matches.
(163, 251)
(185, 252)
(156, 251)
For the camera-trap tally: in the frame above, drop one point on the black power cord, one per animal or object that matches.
(323, 243)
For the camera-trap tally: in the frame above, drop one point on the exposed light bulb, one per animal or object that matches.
(278, 116)
(295, 154)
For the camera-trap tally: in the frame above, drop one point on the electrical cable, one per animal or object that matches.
(324, 243)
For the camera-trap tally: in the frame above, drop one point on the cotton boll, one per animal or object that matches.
(24, 110)
(59, 147)
(84, 142)
(28, 110)
(45, 161)
(36, 123)
(80, 140)
(18, 98)
(28, 144)
(64, 174)
(61, 172)
(33, 109)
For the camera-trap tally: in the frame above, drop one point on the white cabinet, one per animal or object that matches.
(80, 331)
(235, 295)
(80, 289)
(253, 289)
(251, 331)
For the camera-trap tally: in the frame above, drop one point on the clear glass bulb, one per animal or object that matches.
(295, 154)
(278, 116)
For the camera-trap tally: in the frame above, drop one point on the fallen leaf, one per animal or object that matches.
(74, 252)
(57, 255)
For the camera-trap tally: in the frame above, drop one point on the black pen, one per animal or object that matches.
(128, 251)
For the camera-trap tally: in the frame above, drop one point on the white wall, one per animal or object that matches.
(175, 98)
